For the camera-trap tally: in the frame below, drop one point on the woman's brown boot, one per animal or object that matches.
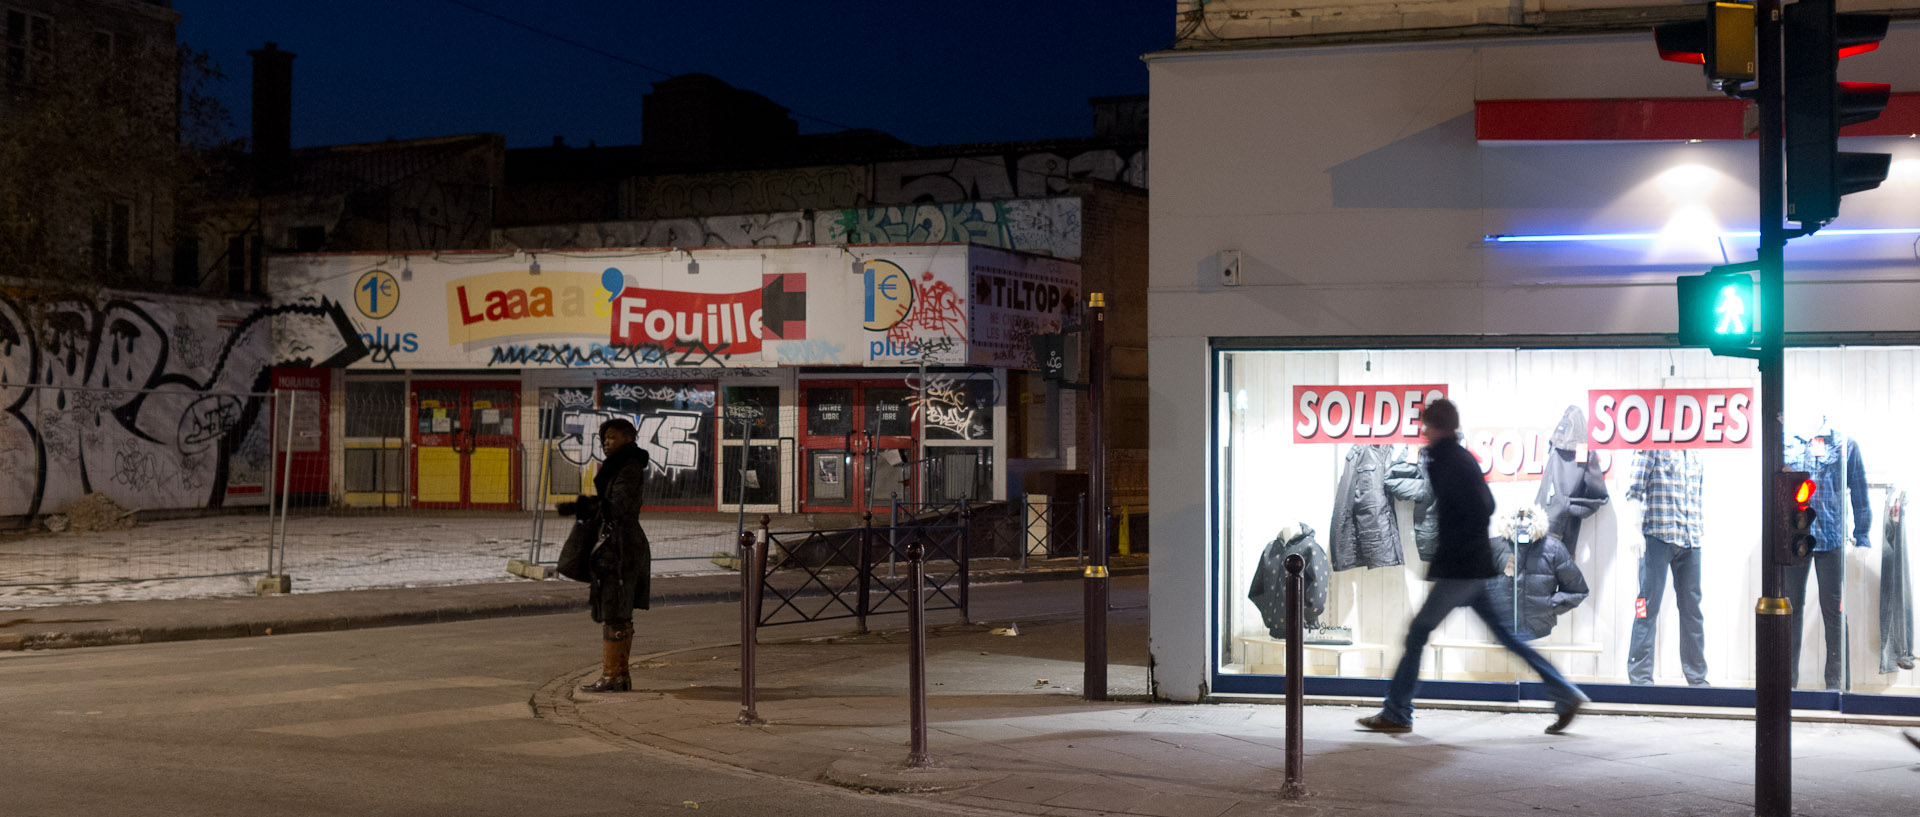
(615, 645)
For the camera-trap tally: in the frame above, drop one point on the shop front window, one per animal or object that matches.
(1627, 523)
(676, 424)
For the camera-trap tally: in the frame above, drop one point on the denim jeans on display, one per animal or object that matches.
(1831, 566)
(1444, 597)
(1662, 557)
(1896, 592)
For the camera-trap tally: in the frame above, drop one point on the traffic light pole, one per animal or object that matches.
(1773, 653)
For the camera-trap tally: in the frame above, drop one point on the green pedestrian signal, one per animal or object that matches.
(1717, 311)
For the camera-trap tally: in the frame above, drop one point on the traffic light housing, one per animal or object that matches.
(1818, 105)
(1718, 311)
(1723, 44)
(1794, 542)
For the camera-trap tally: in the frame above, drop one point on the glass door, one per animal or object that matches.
(857, 445)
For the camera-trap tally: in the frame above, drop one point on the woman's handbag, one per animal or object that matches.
(580, 541)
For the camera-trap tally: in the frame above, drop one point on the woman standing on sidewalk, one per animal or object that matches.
(622, 560)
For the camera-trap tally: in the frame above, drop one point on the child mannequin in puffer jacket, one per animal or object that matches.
(1537, 564)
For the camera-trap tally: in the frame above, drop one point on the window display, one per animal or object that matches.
(1616, 474)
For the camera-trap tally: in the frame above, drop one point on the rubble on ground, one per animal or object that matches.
(95, 512)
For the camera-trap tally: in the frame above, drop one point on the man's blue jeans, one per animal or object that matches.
(1446, 595)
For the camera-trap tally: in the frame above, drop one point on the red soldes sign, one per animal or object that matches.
(719, 322)
(1360, 414)
(1670, 418)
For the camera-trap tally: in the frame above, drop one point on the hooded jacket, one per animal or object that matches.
(1548, 582)
(1365, 530)
(1569, 490)
(1268, 591)
(1408, 481)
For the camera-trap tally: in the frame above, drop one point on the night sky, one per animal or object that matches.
(929, 73)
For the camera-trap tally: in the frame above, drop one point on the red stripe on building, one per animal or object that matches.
(1651, 120)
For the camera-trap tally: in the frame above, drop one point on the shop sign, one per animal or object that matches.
(719, 321)
(1014, 300)
(1361, 414)
(507, 304)
(1670, 418)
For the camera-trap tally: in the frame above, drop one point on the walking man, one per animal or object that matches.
(1461, 564)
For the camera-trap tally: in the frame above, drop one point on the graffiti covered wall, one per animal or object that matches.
(1048, 226)
(152, 400)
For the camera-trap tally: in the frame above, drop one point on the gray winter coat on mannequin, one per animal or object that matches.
(1365, 530)
(1570, 490)
(1408, 481)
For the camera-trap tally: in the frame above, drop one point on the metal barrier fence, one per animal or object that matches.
(402, 483)
(82, 464)
(821, 575)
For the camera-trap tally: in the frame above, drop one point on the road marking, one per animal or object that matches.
(337, 692)
(395, 723)
(41, 661)
(564, 747)
(95, 683)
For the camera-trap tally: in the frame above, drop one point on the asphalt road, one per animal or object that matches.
(420, 720)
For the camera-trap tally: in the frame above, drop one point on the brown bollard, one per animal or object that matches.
(1296, 676)
(749, 625)
(917, 655)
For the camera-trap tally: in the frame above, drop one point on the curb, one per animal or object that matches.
(868, 773)
(332, 622)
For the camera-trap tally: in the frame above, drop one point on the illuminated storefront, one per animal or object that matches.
(1479, 219)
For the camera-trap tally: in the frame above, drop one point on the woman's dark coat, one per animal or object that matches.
(622, 560)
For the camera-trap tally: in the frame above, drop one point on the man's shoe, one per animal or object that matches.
(1380, 723)
(1565, 718)
(1913, 739)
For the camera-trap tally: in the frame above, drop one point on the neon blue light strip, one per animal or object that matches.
(1524, 239)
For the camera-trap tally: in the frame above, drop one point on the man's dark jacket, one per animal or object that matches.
(1463, 504)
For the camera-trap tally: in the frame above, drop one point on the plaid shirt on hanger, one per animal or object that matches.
(1668, 482)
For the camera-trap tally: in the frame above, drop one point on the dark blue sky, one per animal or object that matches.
(929, 73)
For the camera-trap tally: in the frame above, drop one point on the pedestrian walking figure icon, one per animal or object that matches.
(1733, 312)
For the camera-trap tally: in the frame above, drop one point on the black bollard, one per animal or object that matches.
(749, 625)
(917, 657)
(1296, 675)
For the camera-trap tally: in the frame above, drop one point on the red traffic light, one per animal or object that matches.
(1804, 493)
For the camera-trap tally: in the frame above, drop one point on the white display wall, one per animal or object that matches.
(1269, 481)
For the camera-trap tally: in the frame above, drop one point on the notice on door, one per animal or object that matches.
(1670, 418)
(1361, 414)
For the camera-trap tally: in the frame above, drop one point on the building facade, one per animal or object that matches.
(1353, 219)
(814, 379)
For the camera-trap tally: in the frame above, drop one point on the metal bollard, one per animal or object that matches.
(1296, 675)
(863, 606)
(917, 655)
(749, 625)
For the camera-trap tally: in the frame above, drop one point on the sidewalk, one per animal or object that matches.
(1009, 733)
(145, 621)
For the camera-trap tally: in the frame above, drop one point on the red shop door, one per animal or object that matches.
(856, 441)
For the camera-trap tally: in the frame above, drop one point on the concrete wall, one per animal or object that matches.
(1350, 181)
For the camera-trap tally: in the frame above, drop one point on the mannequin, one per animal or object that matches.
(1540, 581)
(1839, 478)
(1668, 483)
(1570, 490)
